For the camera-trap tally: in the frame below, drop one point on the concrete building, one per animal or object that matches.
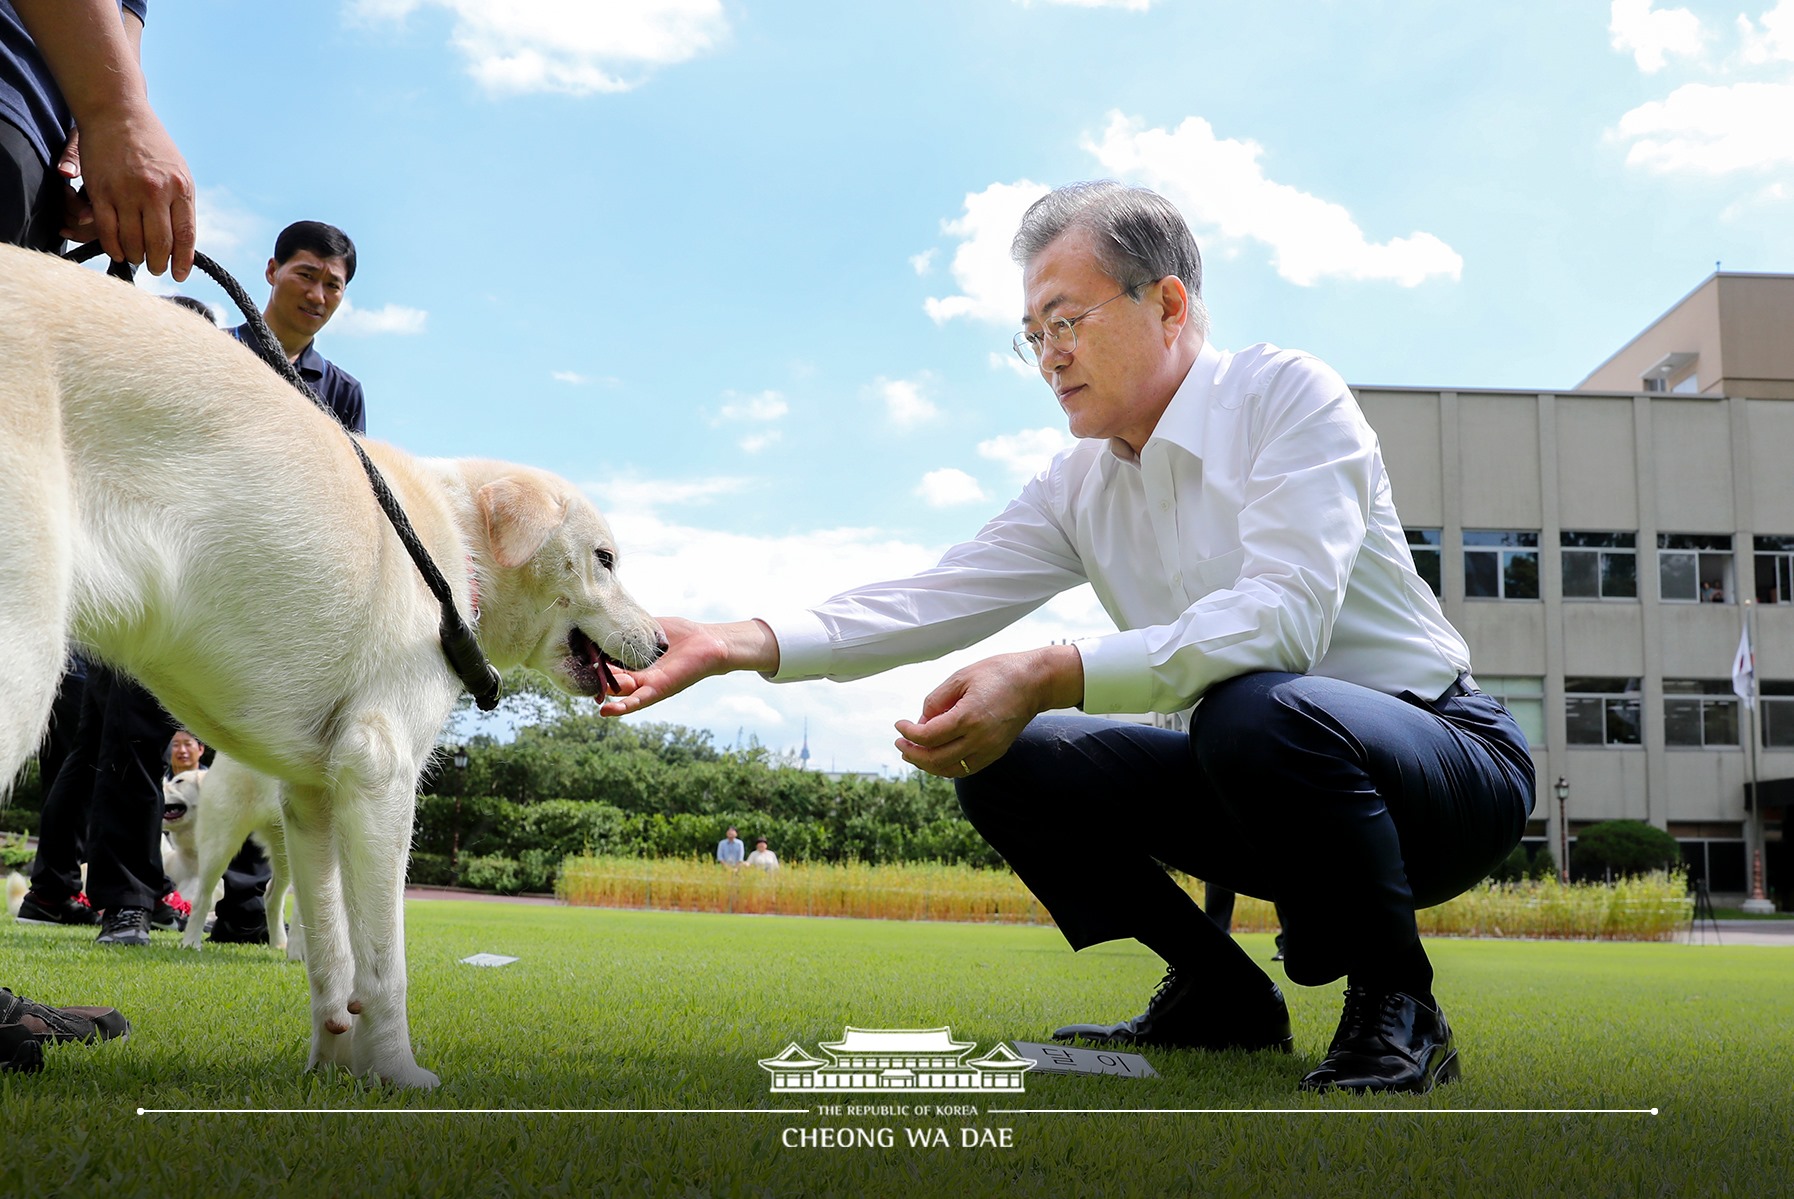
(1602, 548)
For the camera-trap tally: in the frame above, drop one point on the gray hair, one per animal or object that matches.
(1138, 235)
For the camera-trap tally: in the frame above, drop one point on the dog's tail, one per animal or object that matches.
(16, 886)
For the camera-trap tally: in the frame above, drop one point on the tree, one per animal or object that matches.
(1623, 847)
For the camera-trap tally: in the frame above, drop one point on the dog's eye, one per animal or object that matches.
(606, 559)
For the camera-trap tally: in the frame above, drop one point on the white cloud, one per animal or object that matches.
(1719, 127)
(389, 318)
(573, 377)
(905, 405)
(1027, 453)
(1220, 187)
(923, 262)
(226, 227)
(1774, 42)
(948, 488)
(635, 493)
(575, 47)
(1713, 130)
(990, 282)
(753, 443)
(762, 406)
(1009, 361)
(1651, 35)
(710, 574)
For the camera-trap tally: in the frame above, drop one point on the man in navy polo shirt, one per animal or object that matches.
(309, 274)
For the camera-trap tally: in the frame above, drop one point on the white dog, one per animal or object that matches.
(207, 815)
(186, 516)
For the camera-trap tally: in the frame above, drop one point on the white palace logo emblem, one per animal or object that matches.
(897, 1059)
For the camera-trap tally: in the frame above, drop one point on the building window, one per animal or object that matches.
(1777, 708)
(1423, 546)
(1775, 570)
(1695, 567)
(1720, 863)
(1500, 564)
(1600, 565)
(1600, 711)
(1700, 713)
(1524, 698)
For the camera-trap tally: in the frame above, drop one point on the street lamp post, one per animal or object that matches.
(1563, 830)
(460, 758)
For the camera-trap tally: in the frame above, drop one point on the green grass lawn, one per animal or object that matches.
(635, 1011)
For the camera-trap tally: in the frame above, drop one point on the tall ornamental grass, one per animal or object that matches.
(894, 891)
(1645, 908)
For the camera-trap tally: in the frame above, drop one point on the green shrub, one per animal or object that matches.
(1544, 864)
(486, 824)
(492, 873)
(1624, 847)
(429, 870)
(22, 821)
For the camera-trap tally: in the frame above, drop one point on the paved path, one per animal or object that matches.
(468, 893)
(1741, 932)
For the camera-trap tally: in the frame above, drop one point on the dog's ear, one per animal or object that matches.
(519, 518)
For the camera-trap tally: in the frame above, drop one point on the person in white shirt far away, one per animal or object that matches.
(763, 857)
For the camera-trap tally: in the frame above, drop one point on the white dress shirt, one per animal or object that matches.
(1254, 531)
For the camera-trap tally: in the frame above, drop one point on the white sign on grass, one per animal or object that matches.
(488, 959)
(1068, 1059)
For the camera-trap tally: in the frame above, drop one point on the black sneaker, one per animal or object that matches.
(19, 1050)
(39, 909)
(127, 926)
(52, 1024)
(229, 932)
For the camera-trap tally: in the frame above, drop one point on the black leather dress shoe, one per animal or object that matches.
(1386, 1042)
(1182, 1015)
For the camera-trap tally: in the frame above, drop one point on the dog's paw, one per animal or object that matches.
(412, 1076)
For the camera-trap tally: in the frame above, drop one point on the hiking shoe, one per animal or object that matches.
(127, 926)
(53, 1024)
(171, 913)
(40, 909)
(19, 1050)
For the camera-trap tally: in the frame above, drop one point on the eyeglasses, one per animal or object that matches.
(1062, 331)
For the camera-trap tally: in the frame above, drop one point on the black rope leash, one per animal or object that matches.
(459, 644)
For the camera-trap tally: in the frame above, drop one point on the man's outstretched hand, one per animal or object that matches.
(694, 651)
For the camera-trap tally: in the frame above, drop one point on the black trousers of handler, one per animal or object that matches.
(115, 766)
(1346, 807)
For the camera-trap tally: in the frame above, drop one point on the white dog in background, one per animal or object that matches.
(187, 517)
(217, 810)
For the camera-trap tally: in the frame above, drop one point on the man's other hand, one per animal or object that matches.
(973, 718)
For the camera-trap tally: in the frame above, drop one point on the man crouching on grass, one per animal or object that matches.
(1233, 512)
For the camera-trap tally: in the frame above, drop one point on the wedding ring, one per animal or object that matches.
(964, 767)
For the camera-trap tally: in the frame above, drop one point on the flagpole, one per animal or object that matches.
(1754, 837)
(1753, 842)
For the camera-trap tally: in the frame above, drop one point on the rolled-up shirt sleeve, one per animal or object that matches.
(1306, 495)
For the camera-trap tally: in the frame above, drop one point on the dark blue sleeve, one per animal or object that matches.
(137, 8)
(351, 408)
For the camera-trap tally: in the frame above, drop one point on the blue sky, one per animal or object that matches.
(739, 268)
